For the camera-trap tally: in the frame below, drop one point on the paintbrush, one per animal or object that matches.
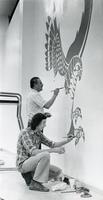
(60, 88)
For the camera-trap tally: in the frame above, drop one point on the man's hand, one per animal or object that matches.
(59, 150)
(47, 114)
(56, 91)
(70, 137)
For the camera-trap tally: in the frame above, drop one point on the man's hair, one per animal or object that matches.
(33, 81)
(36, 120)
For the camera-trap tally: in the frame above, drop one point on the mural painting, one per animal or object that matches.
(70, 67)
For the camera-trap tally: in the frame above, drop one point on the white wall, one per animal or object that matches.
(85, 161)
(11, 80)
(3, 28)
(12, 67)
(87, 158)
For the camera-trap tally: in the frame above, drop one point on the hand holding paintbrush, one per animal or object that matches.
(60, 88)
(56, 91)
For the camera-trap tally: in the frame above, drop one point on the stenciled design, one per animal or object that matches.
(70, 67)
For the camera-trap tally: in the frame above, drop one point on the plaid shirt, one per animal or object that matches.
(28, 141)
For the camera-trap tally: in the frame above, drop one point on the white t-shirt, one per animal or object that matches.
(34, 103)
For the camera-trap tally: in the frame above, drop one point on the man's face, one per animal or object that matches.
(42, 124)
(39, 85)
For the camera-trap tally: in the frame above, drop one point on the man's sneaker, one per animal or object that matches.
(34, 185)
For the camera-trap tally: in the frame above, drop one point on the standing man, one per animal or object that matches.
(35, 102)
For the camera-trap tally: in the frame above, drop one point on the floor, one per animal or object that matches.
(8, 158)
(12, 187)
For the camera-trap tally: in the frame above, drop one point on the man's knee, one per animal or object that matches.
(46, 155)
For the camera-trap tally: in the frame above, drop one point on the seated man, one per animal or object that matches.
(35, 161)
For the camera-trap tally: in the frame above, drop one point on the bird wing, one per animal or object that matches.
(55, 58)
(77, 47)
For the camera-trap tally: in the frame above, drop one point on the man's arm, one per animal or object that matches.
(57, 147)
(69, 139)
(59, 150)
(49, 103)
(32, 150)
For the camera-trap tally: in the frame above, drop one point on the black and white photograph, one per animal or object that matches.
(51, 99)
